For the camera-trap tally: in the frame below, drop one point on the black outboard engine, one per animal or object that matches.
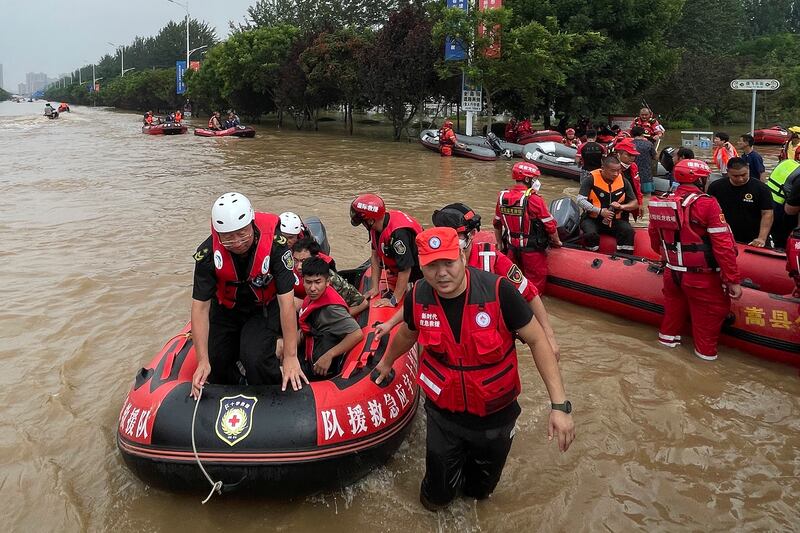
(567, 215)
(317, 229)
(665, 158)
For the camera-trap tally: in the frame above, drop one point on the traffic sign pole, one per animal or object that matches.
(753, 114)
(755, 86)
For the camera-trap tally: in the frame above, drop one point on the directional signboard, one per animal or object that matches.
(755, 85)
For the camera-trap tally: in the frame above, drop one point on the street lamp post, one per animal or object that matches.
(121, 58)
(128, 70)
(185, 6)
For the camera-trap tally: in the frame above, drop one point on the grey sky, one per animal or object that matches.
(57, 36)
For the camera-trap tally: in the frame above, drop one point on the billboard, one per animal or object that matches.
(454, 48)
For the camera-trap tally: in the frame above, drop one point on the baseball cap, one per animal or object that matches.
(438, 243)
(626, 145)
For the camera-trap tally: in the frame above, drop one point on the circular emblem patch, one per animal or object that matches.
(483, 319)
(434, 242)
(234, 421)
(218, 260)
(265, 265)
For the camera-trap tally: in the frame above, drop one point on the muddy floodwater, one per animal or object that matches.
(98, 227)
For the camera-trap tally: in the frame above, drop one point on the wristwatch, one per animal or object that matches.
(566, 406)
(393, 300)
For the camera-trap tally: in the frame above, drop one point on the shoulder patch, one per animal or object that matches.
(722, 218)
(399, 247)
(280, 239)
(199, 255)
(515, 274)
(288, 260)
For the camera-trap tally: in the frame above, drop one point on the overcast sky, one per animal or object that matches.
(57, 36)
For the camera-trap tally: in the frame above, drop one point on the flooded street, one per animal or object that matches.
(99, 224)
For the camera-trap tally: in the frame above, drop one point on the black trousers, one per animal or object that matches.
(322, 343)
(458, 457)
(591, 228)
(246, 337)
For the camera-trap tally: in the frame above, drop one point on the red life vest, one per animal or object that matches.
(447, 140)
(299, 288)
(521, 232)
(686, 250)
(479, 374)
(397, 220)
(329, 297)
(259, 279)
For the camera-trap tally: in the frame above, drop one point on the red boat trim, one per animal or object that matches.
(747, 336)
(273, 457)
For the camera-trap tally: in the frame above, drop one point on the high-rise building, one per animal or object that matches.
(36, 81)
(22, 88)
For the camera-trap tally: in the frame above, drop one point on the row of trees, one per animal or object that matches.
(297, 57)
(4, 95)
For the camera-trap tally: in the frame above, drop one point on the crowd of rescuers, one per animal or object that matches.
(268, 308)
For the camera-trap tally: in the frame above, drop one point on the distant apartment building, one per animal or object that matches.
(35, 81)
(22, 88)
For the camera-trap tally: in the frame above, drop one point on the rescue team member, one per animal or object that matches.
(308, 247)
(448, 139)
(688, 228)
(523, 225)
(327, 329)
(148, 119)
(484, 256)
(723, 151)
(466, 321)
(178, 116)
(746, 203)
(780, 182)
(242, 299)
(605, 196)
(391, 235)
(590, 154)
(570, 139)
(793, 259)
(292, 228)
(652, 129)
(510, 133)
(626, 152)
(213, 122)
(524, 127)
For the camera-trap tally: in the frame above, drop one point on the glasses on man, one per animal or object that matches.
(237, 238)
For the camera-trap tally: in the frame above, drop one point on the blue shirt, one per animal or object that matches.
(756, 163)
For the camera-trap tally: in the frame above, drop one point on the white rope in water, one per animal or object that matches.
(216, 486)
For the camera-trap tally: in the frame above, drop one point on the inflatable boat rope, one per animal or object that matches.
(216, 486)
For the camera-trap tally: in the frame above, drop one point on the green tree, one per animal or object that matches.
(309, 15)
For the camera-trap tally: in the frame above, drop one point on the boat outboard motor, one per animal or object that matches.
(567, 215)
(317, 229)
(494, 144)
(665, 158)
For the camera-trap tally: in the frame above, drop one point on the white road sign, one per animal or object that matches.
(755, 85)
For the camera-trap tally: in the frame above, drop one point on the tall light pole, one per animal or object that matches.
(121, 58)
(186, 6)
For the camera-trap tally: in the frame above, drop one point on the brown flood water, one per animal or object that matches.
(98, 227)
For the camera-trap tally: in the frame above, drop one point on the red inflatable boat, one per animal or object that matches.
(773, 135)
(763, 324)
(168, 128)
(238, 131)
(540, 137)
(257, 438)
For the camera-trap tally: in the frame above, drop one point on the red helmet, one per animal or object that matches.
(570, 130)
(366, 207)
(690, 170)
(448, 123)
(523, 171)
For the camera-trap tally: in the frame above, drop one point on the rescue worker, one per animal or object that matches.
(652, 129)
(308, 247)
(178, 116)
(780, 183)
(393, 247)
(328, 330)
(466, 321)
(791, 148)
(523, 226)
(510, 132)
(723, 151)
(243, 298)
(448, 139)
(793, 259)
(524, 128)
(213, 122)
(570, 139)
(590, 154)
(148, 119)
(626, 152)
(292, 228)
(605, 196)
(687, 227)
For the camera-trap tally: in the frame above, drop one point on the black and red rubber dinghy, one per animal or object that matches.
(237, 131)
(257, 438)
(168, 128)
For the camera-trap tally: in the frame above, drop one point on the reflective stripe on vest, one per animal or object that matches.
(521, 231)
(259, 280)
(685, 249)
(479, 374)
(781, 179)
(603, 193)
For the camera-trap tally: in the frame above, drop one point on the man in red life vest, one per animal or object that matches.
(523, 226)
(652, 129)
(688, 228)
(243, 298)
(626, 152)
(570, 139)
(448, 139)
(328, 330)
(466, 321)
(292, 228)
(393, 247)
(525, 127)
(510, 132)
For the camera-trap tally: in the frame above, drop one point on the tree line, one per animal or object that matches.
(295, 58)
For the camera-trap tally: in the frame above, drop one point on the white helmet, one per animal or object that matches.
(291, 223)
(231, 211)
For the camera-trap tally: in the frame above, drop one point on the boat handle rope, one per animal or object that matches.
(216, 486)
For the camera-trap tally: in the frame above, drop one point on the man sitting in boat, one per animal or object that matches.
(328, 331)
(308, 247)
(177, 116)
(524, 128)
(147, 120)
(392, 236)
(213, 122)
(232, 121)
(570, 139)
(243, 297)
(510, 133)
(607, 199)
